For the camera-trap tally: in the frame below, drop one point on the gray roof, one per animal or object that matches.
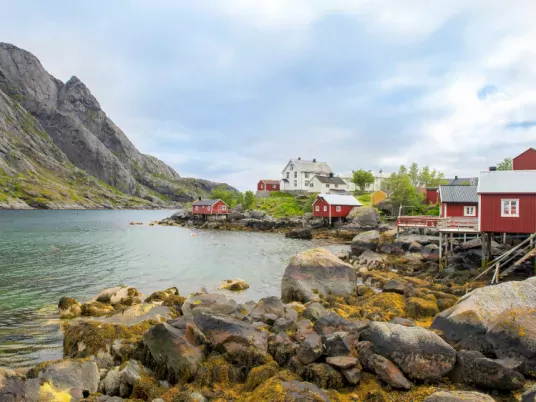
(205, 202)
(336, 199)
(460, 181)
(310, 166)
(330, 180)
(462, 194)
(508, 182)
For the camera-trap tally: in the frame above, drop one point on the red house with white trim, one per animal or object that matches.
(334, 205)
(507, 201)
(458, 201)
(268, 185)
(525, 161)
(210, 207)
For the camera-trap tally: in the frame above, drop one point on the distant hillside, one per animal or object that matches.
(58, 149)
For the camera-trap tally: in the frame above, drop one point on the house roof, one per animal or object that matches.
(310, 166)
(337, 199)
(270, 181)
(524, 152)
(507, 182)
(205, 202)
(330, 180)
(460, 194)
(338, 191)
(460, 181)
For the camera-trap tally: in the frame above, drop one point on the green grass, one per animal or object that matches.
(365, 199)
(282, 205)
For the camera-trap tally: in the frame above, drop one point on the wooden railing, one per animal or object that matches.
(458, 223)
(417, 221)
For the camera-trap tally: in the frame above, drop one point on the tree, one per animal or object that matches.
(227, 196)
(402, 191)
(506, 164)
(361, 178)
(249, 199)
(414, 175)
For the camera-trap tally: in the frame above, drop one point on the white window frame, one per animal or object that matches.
(288, 175)
(197, 208)
(208, 208)
(223, 207)
(295, 175)
(336, 186)
(325, 208)
(467, 210)
(307, 183)
(274, 185)
(311, 185)
(295, 183)
(291, 167)
(327, 185)
(509, 201)
(338, 208)
(306, 175)
(262, 186)
(317, 208)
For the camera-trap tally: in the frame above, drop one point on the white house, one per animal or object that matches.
(379, 177)
(328, 185)
(298, 173)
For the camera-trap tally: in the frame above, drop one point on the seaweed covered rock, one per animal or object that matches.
(277, 389)
(529, 395)
(273, 305)
(260, 374)
(458, 396)
(210, 302)
(310, 349)
(173, 353)
(417, 307)
(96, 309)
(282, 348)
(323, 375)
(12, 386)
(468, 321)
(162, 295)
(332, 323)
(216, 370)
(305, 233)
(234, 285)
(384, 306)
(365, 241)
(122, 295)
(315, 311)
(419, 353)
(121, 380)
(314, 272)
(69, 308)
(384, 369)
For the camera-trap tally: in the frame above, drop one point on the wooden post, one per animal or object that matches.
(452, 244)
(488, 246)
(440, 250)
(504, 238)
(484, 249)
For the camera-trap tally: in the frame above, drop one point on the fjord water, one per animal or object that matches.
(45, 255)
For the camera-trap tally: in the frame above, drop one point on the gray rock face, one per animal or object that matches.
(468, 321)
(382, 367)
(311, 349)
(296, 390)
(273, 306)
(365, 217)
(121, 380)
(314, 311)
(12, 386)
(365, 241)
(458, 396)
(316, 271)
(73, 118)
(420, 354)
(305, 233)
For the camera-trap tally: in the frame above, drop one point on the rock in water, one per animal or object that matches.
(468, 321)
(458, 396)
(235, 285)
(305, 233)
(420, 354)
(69, 308)
(316, 271)
(120, 295)
(365, 241)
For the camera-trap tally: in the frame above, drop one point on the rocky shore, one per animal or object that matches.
(342, 330)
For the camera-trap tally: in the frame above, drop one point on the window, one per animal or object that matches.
(196, 208)
(327, 185)
(288, 175)
(208, 208)
(291, 167)
(295, 183)
(510, 208)
(338, 209)
(311, 185)
(295, 175)
(325, 208)
(306, 175)
(469, 211)
(317, 208)
(306, 184)
(262, 186)
(274, 186)
(223, 207)
(336, 186)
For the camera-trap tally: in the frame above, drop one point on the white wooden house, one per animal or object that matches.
(298, 174)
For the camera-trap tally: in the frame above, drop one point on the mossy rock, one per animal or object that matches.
(324, 376)
(175, 303)
(217, 370)
(384, 306)
(162, 295)
(235, 285)
(276, 390)
(146, 388)
(69, 308)
(260, 374)
(96, 309)
(444, 304)
(363, 290)
(417, 307)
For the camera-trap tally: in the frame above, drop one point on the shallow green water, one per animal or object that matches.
(45, 255)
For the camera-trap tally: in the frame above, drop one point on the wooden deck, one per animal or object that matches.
(449, 225)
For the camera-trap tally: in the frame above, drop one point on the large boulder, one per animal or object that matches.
(121, 380)
(310, 349)
(458, 396)
(173, 352)
(419, 353)
(513, 336)
(273, 305)
(382, 367)
(316, 271)
(69, 308)
(12, 386)
(256, 214)
(305, 233)
(405, 241)
(370, 259)
(475, 369)
(468, 321)
(210, 302)
(365, 217)
(119, 295)
(365, 241)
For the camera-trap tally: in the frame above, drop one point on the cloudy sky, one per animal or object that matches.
(229, 90)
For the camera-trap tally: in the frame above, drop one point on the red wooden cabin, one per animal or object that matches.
(507, 201)
(268, 185)
(210, 207)
(431, 196)
(334, 205)
(458, 201)
(525, 161)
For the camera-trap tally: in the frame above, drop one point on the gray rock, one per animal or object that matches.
(257, 214)
(474, 368)
(273, 305)
(342, 362)
(283, 325)
(405, 240)
(415, 247)
(316, 271)
(311, 349)
(369, 258)
(332, 323)
(282, 348)
(468, 321)
(314, 311)
(365, 217)
(529, 395)
(382, 367)
(337, 344)
(302, 391)
(419, 353)
(121, 380)
(323, 375)
(458, 396)
(403, 321)
(12, 386)
(305, 233)
(430, 252)
(395, 286)
(209, 302)
(353, 375)
(365, 241)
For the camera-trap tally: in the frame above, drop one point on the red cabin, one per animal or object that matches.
(525, 161)
(268, 185)
(508, 201)
(334, 205)
(210, 207)
(431, 196)
(458, 201)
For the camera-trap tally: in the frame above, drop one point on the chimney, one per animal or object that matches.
(314, 160)
(492, 168)
(455, 177)
(199, 198)
(331, 175)
(299, 158)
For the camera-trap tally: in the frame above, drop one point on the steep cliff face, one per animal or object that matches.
(72, 118)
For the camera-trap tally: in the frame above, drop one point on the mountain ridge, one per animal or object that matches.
(72, 119)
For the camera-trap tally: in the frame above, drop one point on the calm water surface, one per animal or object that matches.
(45, 255)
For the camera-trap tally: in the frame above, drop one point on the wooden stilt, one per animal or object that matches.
(440, 250)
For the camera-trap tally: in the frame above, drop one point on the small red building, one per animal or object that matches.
(432, 195)
(268, 185)
(507, 201)
(458, 201)
(525, 161)
(334, 205)
(210, 207)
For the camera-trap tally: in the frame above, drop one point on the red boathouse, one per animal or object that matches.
(334, 205)
(525, 161)
(458, 201)
(210, 207)
(268, 185)
(507, 201)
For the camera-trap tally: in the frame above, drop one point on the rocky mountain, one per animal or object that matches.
(58, 148)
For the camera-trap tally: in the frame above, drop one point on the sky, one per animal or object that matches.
(230, 90)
